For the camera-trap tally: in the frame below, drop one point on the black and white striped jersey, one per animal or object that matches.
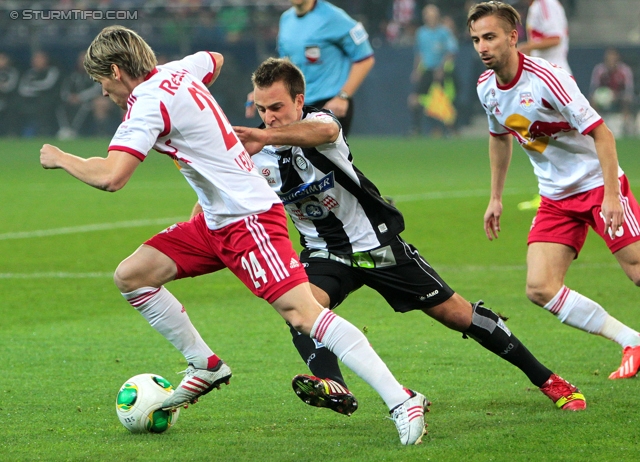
(332, 204)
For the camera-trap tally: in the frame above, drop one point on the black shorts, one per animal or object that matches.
(424, 82)
(395, 270)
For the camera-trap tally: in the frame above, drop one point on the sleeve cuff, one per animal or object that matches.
(128, 150)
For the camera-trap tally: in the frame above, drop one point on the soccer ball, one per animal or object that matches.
(138, 404)
(604, 98)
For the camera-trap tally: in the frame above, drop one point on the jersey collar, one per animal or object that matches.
(153, 72)
(315, 3)
(517, 76)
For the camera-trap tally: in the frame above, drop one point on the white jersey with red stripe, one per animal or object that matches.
(545, 111)
(173, 112)
(546, 18)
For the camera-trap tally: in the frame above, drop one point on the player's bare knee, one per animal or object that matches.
(455, 313)
(539, 294)
(633, 273)
(300, 323)
(124, 277)
(635, 278)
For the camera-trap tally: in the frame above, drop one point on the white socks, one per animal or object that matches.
(578, 311)
(167, 315)
(351, 346)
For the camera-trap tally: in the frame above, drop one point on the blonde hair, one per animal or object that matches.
(122, 47)
(504, 11)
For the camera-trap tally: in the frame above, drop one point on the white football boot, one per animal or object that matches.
(409, 418)
(197, 383)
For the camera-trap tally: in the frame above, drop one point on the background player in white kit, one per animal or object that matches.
(547, 32)
(243, 226)
(574, 157)
(547, 38)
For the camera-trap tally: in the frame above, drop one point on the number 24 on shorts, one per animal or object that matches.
(255, 270)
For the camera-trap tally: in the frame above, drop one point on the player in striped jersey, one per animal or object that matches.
(351, 238)
(573, 154)
(243, 226)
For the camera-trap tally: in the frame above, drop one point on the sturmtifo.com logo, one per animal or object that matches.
(75, 15)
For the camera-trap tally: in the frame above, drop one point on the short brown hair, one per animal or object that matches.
(274, 70)
(504, 11)
(122, 47)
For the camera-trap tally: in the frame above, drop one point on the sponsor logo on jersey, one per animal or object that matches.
(313, 210)
(312, 53)
(301, 162)
(539, 129)
(270, 151)
(535, 135)
(266, 173)
(493, 106)
(526, 101)
(582, 116)
(294, 263)
(123, 134)
(308, 189)
(172, 84)
(330, 202)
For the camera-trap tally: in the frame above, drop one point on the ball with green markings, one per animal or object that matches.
(138, 404)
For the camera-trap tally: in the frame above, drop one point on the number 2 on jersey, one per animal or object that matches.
(203, 98)
(255, 270)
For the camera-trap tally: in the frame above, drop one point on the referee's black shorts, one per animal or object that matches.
(395, 270)
(345, 121)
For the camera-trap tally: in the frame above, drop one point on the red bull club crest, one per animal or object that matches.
(526, 100)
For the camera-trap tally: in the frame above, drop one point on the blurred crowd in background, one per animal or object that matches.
(44, 90)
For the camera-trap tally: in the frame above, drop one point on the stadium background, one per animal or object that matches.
(245, 31)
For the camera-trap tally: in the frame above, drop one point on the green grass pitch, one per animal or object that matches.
(68, 340)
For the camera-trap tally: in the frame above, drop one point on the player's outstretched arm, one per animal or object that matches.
(304, 134)
(500, 150)
(253, 139)
(543, 44)
(108, 174)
